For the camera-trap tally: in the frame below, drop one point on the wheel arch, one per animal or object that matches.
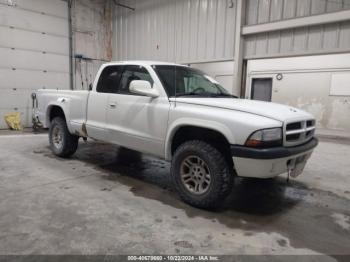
(54, 110)
(208, 131)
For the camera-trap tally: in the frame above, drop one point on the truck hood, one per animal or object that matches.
(267, 109)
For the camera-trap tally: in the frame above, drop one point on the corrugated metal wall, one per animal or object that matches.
(329, 38)
(34, 51)
(322, 38)
(300, 72)
(265, 11)
(183, 31)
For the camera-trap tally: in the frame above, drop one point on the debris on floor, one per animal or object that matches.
(13, 120)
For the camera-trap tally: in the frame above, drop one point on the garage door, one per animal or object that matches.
(34, 52)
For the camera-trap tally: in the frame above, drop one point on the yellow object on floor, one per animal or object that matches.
(13, 120)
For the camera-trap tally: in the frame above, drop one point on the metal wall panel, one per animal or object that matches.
(300, 39)
(48, 43)
(334, 5)
(276, 10)
(32, 79)
(175, 30)
(273, 43)
(344, 36)
(34, 51)
(15, 98)
(318, 7)
(49, 7)
(264, 11)
(315, 39)
(289, 9)
(252, 7)
(261, 43)
(32, 21)
(303, 8)
(286, 42)
(24, 59)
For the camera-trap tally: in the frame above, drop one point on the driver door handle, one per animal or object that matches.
(112, 105)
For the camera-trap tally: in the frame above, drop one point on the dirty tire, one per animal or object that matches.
(220, 172)
(69, 143)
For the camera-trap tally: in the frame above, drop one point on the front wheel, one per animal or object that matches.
(201, 174)
(62, 143)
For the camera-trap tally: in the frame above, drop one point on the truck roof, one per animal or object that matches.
(141, 62)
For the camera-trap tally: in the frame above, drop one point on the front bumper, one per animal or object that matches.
(269, 162)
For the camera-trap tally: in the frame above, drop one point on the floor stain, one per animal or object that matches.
(342, 220)
(183, 243)
(282, 242)
(292, 209)
(38, 151)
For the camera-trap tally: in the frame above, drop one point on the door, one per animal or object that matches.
(108, 84)
(34, 53)
(261, 89)
(135, 121)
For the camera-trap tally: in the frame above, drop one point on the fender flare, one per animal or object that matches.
(62, 103)
(193, 122)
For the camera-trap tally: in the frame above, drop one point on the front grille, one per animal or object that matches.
(310, 123)
(293, 126)
(299, 132)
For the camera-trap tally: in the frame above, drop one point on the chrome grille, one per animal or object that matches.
(298, 132)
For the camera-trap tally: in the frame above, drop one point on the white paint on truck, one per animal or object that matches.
(261, 139)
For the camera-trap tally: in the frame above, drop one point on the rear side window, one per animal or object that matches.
(109, 80)
(130, 74)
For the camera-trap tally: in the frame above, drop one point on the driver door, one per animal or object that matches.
(135, 121)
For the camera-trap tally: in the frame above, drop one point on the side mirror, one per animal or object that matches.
(90, 87)
(142, 87)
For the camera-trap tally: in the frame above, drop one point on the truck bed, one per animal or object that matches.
(73, 102)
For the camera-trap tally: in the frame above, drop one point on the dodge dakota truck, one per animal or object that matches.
(182, 115)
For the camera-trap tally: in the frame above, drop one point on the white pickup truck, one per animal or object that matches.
(184, 116)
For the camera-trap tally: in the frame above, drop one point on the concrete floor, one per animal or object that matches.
(107, 201)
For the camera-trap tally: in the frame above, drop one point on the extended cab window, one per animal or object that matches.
(109, 80)
(130, 74)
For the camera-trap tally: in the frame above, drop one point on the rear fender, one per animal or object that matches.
(63, 104)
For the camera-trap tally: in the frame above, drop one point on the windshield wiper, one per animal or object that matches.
(223, 95)
(205, 95)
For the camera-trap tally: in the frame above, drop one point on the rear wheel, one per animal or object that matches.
(201, 174)
(62, 142)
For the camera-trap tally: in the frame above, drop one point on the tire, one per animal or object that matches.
(210, 194)
(62, 143)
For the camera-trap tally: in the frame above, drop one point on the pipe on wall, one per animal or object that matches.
(70, 30)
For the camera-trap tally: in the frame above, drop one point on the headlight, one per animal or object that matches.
(265, 138)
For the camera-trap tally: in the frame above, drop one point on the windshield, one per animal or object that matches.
(184, 81)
